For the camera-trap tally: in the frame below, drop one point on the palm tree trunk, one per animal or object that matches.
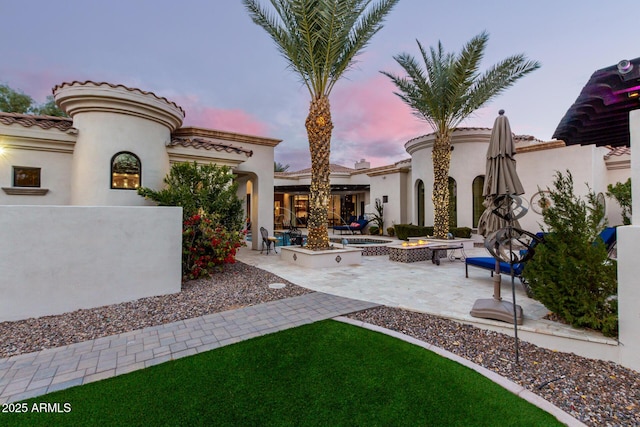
(441, 156)
(319, 127)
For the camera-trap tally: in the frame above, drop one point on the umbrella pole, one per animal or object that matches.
(496, 282)
(515, 316)
(513, 286)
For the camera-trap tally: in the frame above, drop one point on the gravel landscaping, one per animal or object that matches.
(597, 393)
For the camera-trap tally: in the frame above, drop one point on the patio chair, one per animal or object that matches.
(267, 241)
(295, 237)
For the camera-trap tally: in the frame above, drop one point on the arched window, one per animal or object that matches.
(453, 203)
(476, 190)
(125, 171)
(420, 202)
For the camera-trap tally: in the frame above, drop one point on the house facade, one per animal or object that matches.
(405, 187)
(117, 140)
(75, 233)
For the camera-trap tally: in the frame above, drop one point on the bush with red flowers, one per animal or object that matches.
(207, 246)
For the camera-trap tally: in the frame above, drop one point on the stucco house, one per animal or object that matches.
(75, 233)
(118, 139)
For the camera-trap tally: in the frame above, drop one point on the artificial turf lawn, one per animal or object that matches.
(327, 374)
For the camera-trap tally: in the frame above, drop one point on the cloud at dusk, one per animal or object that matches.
(371, 122)
(230, 120)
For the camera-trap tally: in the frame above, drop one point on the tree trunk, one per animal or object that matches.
(319, 127)
(441, 156)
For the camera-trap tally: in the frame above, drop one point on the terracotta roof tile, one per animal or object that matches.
(63, 124)
(517, 138)
(208, 145)
(617, 151)
(332, 167)
(115, 86)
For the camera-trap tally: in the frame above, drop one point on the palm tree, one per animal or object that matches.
(447, 91)
(320, 39)
(279, 167)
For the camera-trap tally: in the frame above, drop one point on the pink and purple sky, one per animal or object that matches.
(209, 58)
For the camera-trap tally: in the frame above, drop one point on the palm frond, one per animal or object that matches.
(450, 88)
(320, 38)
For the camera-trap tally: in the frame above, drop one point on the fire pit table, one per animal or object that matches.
(423, 250)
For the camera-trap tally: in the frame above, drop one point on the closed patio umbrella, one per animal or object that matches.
(501, 183)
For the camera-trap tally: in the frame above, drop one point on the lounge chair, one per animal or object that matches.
(268, 241)
(489, 263)
(608, 236)
(358, 225)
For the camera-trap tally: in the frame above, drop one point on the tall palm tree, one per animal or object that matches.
(447, 91)
(320, 39)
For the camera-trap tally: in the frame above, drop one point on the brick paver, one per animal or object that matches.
(34, 374)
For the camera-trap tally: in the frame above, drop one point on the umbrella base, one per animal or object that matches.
(496, 310)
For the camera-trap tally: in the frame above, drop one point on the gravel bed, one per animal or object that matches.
(597, 393)
(239, 285)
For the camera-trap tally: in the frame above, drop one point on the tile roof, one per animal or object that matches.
(63, 124)
(517, 138)
(600, 114)
(456, 129)
(617, 151)
(208, 145)
(332, 167)
(115, 86)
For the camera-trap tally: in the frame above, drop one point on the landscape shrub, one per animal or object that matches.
(404, 231)
(206, 188)
(571, 273)
(621, 192)
(207, 246)
(213, 215)
(391, 231)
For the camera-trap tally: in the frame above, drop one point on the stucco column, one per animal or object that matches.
(628, 266)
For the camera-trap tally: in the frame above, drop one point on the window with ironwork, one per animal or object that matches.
(125, 171)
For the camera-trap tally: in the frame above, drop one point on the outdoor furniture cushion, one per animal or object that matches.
(353, 227)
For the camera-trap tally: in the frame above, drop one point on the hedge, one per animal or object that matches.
(404, 231)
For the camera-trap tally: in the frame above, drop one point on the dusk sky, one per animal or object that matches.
(225, 71)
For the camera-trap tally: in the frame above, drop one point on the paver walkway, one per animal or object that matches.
(34, 374)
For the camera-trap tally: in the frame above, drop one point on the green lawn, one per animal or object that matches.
(325, 374)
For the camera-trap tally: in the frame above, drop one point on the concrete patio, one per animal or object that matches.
(439, 290)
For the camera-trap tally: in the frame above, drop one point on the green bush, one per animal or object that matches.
(621, 192)
(571, 273)
(206, 247)
(391, 231)
(404, 231)
(201, 189)
(212, 215)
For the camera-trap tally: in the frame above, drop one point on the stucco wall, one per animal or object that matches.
(468, 160)
(393, 186)
(102, 135)
(259, 167)
(55, 259)
(55, 175)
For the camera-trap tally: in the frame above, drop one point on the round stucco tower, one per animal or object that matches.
(121, 145)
